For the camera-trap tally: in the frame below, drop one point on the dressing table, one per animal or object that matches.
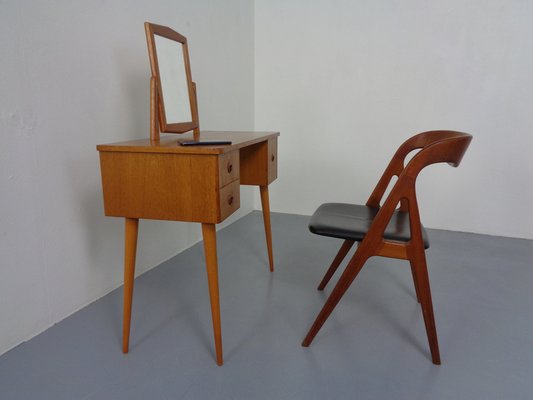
(158, 178)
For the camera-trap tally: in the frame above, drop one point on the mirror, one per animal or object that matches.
(174, 87)
(173, 98)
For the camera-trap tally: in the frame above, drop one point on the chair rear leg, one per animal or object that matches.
(346, 279)
(345, 248)
(422, 278)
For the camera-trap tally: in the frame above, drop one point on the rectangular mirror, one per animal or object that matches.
(174, 97)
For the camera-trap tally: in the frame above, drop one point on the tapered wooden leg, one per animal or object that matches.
(266, 218)
(413, 272)
(210, 249)
(346, 279)
(345, 248)
(130, 251)
(421, 275)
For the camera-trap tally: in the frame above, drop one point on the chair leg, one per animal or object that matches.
(346, 279)
(345, 248)
(413, 272)
(422, 278)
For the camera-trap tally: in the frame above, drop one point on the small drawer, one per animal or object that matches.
(228, 168)
(229, 200)
(272, 159)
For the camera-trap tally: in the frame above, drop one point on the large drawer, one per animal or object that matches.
(176, 187)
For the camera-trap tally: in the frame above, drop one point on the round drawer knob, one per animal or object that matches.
(272, 158)
(230, 199)
(230, 168)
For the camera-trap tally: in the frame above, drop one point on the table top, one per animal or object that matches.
(169, 143)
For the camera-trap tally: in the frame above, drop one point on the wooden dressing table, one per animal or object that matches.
(158, 178)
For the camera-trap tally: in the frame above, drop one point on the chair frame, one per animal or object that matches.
(435, 147)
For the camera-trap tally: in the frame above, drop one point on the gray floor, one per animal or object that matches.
(373, 346)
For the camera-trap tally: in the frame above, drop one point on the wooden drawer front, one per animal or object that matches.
(228, 168)
(176, 187)
(259, 163)
(229, 199)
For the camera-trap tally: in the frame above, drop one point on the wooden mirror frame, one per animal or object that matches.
(158, 121)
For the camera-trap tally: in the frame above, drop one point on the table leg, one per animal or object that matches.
(210, 249)
(130, 251)
(266, 218)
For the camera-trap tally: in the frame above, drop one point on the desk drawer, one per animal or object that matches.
(174, 187)
(228, 168)
(259, 163)
(272, 159)
(229, 200)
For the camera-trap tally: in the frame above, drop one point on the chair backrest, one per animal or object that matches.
(435, 147)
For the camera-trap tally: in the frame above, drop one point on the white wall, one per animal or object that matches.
(344, 81)
(74, 74)
(347, 81)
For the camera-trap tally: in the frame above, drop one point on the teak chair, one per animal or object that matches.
(385, 230)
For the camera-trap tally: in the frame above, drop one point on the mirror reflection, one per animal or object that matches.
(173, 77)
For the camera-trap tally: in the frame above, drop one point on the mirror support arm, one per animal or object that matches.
(154, 105)
(195, 111)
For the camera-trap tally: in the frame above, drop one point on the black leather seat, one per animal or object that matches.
(352, 221)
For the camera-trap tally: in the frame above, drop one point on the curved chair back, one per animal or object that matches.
(440, 146)
(435, 147)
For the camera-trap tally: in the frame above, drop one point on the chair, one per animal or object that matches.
(387, 230)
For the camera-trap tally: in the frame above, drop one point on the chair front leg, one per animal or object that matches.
(413, 272)
(352, 269)
(421, 276)
(345, 248)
